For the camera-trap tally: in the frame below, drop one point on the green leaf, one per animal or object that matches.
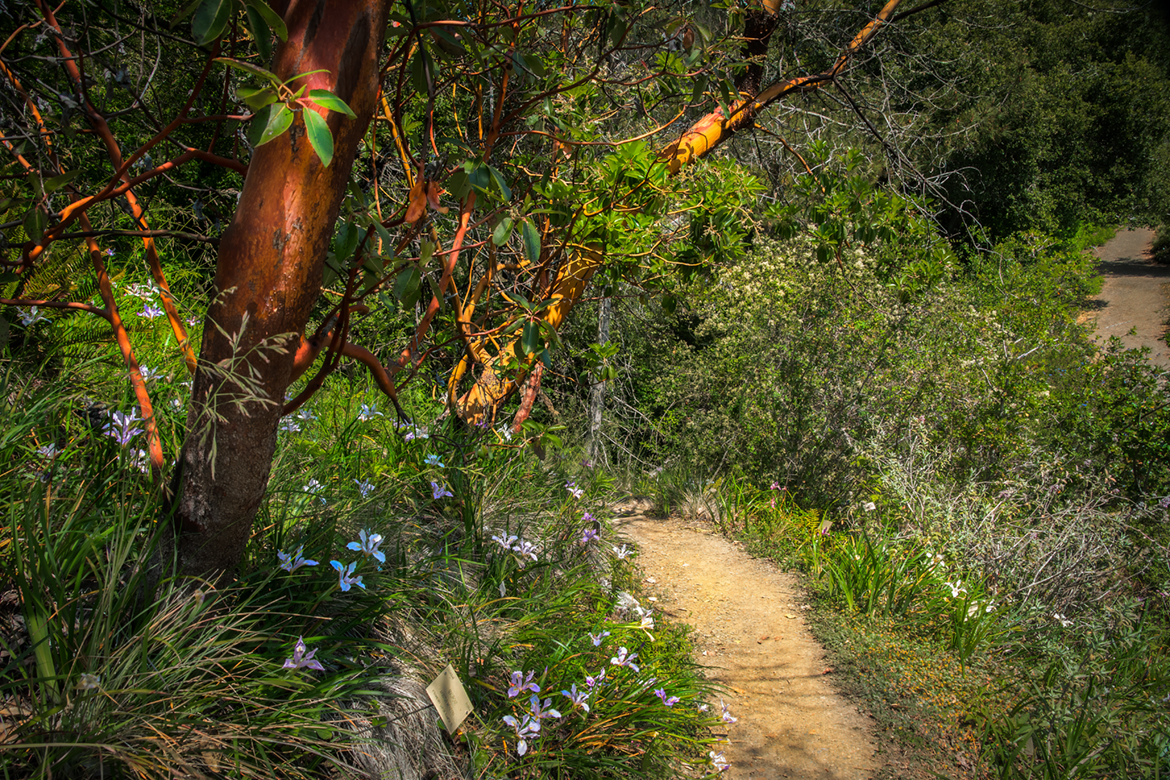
(700, 88)
(260, 32)
(435, 291)
(35, 222)
(327, 99)
(348, 235)
(425, 251)
(319, 135)
(502, 232)
(211, 20)
(57, 182)
(406, 286)
(531, 241)
(248, 67)
(184, 12)
(505, 190)
(530, 337)
(270, 16)
(270, 122)
(256, 97)
(418, 73)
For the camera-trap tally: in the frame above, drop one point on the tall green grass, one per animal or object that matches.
(109, 670)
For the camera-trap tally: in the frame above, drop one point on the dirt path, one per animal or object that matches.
(750, 631)
(1135, 295)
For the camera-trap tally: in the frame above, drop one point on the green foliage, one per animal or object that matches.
(1161, 247)
(112, 673)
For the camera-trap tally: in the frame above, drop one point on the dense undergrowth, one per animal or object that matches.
(979, 493)
(384, 552)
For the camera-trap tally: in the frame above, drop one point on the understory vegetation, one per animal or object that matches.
(815, 272)
(977, 490)
(382, 556)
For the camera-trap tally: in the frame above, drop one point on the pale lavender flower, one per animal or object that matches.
(346, 578)
(121, 427)
(368, 412)
(150, 374)
(721, 763)
(622, 552)
(290, 425)
(727, 716)
(589, 535)
(539, 712)
(577, 697)
(145, 291)
(669, 701)
(31, 317)
(433, 460)
(775, 486)
(1059, 618)
(416, 432)
(291, 563)
(303, 658)
(956, 588)
(504, 540)
(369, 545)
(48, 451)
(365, 487)
(520, 685)
(593, 682)
(647, 620)
(1165, 502)
(525, 730)
(526, 549)
(574, 491)
(440, 491)
(625, 658)
(597, 638)
(627, 603)
(304, 414)
(137, 459)
(150, 311)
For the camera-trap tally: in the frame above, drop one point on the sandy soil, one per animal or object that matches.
(749, 625)
(1132, 304)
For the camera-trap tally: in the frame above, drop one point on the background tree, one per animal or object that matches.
(475, 172)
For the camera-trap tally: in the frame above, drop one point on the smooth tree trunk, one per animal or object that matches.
(268, 277)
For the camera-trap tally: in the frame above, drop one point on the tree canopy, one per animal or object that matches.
(438, 184)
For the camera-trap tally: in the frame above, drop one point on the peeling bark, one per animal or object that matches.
(268, 276)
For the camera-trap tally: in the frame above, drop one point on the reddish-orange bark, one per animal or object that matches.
(268, 276)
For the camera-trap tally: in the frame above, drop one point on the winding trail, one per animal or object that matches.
(750, 632)
(1135, 295)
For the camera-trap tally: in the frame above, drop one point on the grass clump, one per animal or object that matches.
(383, 553)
